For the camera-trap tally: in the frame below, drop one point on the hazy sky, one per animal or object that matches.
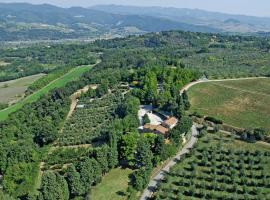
(248, 7)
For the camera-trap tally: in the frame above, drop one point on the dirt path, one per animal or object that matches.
(74, 98)
(188, 86)
(242, 90)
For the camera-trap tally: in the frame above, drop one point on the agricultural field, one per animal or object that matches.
(60, 82)
(12, 91)
(109, 187)
(220, 167)
(87, 123)
(241, 103)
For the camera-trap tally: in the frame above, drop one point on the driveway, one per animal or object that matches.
(148, 192)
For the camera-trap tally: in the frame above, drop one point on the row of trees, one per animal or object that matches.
(218, 171)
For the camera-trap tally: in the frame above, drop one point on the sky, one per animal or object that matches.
(246, 7)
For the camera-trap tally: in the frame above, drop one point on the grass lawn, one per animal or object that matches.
(60, 82)
(241, 103)
(12, 91)
(113, 185)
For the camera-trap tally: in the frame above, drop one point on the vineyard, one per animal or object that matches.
(220, 167)
(87, 123)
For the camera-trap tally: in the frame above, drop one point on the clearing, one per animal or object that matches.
(241, 103)
(113, 186)
(60, 82)
(12, 91)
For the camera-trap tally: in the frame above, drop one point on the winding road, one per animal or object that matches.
(154, 182)
(148, 192)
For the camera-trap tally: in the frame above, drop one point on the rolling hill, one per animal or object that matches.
(21, 21)
(221, 21)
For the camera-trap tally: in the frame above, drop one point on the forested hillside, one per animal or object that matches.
(214, 55)
(221, 21)
(73, 154)
(21, 21)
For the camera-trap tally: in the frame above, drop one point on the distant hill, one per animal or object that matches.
(221, 21)
(22, 21)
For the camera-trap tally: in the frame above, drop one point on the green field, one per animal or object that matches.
(60, 82)
(241, 103)
(11, 91)
(220, 167)
(113, 185)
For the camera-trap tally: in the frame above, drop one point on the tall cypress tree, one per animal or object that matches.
(113, 151)
(144, 154)
(74, 181)
(102, 158)
(186, 100)
(87, 172)
(53, 186)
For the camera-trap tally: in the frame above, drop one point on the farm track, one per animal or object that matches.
(73, 98)
(241, 90)
(188, 86)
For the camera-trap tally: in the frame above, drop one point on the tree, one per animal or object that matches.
(150, 87)
(62, 187)
(260, 133)
(180, 110)
(5, 196)
(128, 146)
(144, 154)
(113, 149)
(140, 178)
(102, 89)
(74, 181)
(159, 145)
(186, 100)
(86, 170)
(130, 106)
(102, 158)
(53, 186)
(97, 171)
(146, 119)
(185, 125)
(44, 133)
(175, 136)
(130, 123)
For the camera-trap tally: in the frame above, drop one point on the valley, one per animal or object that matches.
(127, 103)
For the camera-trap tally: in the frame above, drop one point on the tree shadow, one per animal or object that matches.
(121, 193)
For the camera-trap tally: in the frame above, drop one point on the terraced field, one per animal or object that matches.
(83, 126)
(241, 103)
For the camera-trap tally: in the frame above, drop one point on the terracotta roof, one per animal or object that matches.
(162, 129)
(171, 121)
(150, 127)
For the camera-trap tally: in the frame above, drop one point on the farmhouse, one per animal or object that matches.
(158, 129)
(170, 123)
